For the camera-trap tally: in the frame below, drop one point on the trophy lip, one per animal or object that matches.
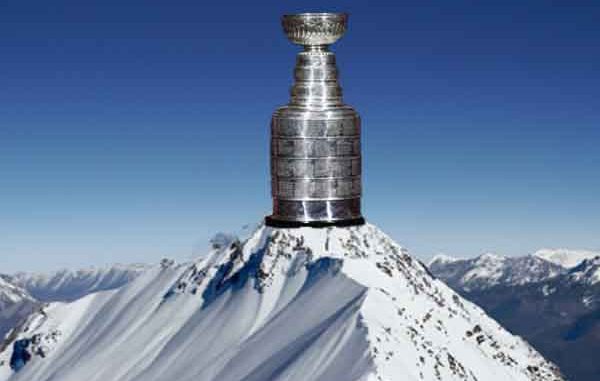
(300, 30)
(341, 15)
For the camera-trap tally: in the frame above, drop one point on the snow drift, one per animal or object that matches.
(285, 304)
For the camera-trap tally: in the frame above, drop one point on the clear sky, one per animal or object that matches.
(134, 130)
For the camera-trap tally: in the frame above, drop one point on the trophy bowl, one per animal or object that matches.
(310, 29)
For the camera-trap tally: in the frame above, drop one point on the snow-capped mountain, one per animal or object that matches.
(566, 258)
(285, 304)
(489, 270)
(15, 304)
(442, 258)
(11, 294)
(69, 285)
(557, 309)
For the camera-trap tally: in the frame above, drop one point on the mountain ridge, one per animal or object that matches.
(285, 304)
(489, 269)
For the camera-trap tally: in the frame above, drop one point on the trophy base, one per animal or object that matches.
(275, 223)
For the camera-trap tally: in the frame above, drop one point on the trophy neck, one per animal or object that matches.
(316, 48)
(316, 79)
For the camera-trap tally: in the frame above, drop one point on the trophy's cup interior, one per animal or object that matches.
(310, 29)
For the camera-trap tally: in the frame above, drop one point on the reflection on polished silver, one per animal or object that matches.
(315, 139)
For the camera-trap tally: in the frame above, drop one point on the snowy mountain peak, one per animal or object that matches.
(285, 304)
(441, 259)
(565, 257)
(491, 257)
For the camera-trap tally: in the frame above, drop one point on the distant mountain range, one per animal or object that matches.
(23, 293)
(551, 298)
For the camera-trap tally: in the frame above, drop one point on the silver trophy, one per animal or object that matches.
(315, 139)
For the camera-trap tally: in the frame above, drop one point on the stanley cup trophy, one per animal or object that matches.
(315, 139)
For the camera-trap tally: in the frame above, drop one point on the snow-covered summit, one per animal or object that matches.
(442, 259)
(285, 304)
(565, 257)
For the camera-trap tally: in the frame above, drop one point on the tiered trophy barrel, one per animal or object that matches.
(315, 139)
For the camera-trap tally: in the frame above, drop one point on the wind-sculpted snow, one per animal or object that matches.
(285, 304)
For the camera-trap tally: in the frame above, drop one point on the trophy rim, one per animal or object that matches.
(317, 14)
(300, 31)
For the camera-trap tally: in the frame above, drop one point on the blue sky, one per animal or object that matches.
(131, 131)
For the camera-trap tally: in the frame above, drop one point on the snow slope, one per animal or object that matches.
(286, 304)
(566, 258)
